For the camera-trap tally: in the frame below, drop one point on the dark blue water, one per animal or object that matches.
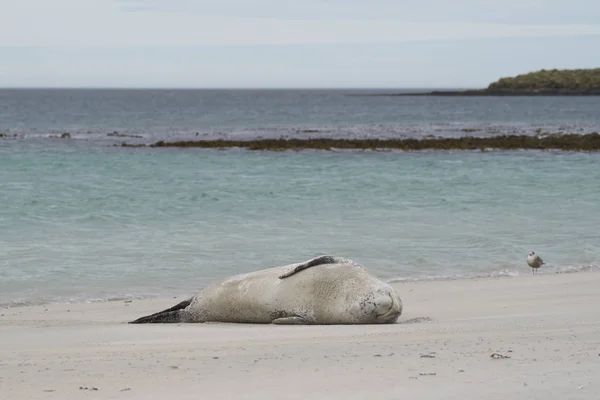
(188, 114)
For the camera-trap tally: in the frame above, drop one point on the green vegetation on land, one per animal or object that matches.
(564, 82)
(583, 80)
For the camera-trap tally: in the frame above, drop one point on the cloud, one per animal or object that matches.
(451, 63)
(498, 11)
(283, 43)
(99, 23)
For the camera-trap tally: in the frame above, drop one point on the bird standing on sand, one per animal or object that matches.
(534, 261)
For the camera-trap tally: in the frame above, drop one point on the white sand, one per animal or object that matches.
(549, 326)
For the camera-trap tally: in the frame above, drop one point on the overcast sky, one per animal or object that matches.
(280, 43)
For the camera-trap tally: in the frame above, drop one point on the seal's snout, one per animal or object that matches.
(389, 309)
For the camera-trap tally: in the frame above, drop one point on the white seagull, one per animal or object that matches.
(534, 261)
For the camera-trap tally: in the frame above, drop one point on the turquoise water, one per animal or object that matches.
(82, 220)
(85, 222)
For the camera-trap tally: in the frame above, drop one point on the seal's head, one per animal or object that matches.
(379, 303)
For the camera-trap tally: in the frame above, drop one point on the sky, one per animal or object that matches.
(285, 44)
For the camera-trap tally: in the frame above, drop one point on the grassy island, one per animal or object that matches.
(555, 82)
(573, 80)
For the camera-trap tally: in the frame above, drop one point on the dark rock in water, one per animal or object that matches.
(567, 142)
(117, 134)
(123, 144)
(65, 135)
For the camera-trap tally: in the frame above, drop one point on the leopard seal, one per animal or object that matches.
(325, 290)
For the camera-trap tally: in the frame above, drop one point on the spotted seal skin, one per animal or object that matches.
(325, 290)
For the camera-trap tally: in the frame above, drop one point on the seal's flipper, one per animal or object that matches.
(312, 263)
(290, 321)
(170, 315)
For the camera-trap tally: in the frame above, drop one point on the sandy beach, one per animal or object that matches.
(535, 337)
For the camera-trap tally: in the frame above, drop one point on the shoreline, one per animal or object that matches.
(495, 338)
(392, 281)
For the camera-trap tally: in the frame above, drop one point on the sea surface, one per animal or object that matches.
(83, 220)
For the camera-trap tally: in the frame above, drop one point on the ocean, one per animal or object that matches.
(83, 220)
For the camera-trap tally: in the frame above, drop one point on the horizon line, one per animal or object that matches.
(231, 88)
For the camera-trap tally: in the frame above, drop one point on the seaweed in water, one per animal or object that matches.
(566, 142)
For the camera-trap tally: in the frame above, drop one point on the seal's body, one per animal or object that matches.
(323, 290)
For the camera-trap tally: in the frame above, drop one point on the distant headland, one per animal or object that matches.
(555, 82)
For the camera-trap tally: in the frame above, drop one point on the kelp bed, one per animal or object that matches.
(567, 142)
